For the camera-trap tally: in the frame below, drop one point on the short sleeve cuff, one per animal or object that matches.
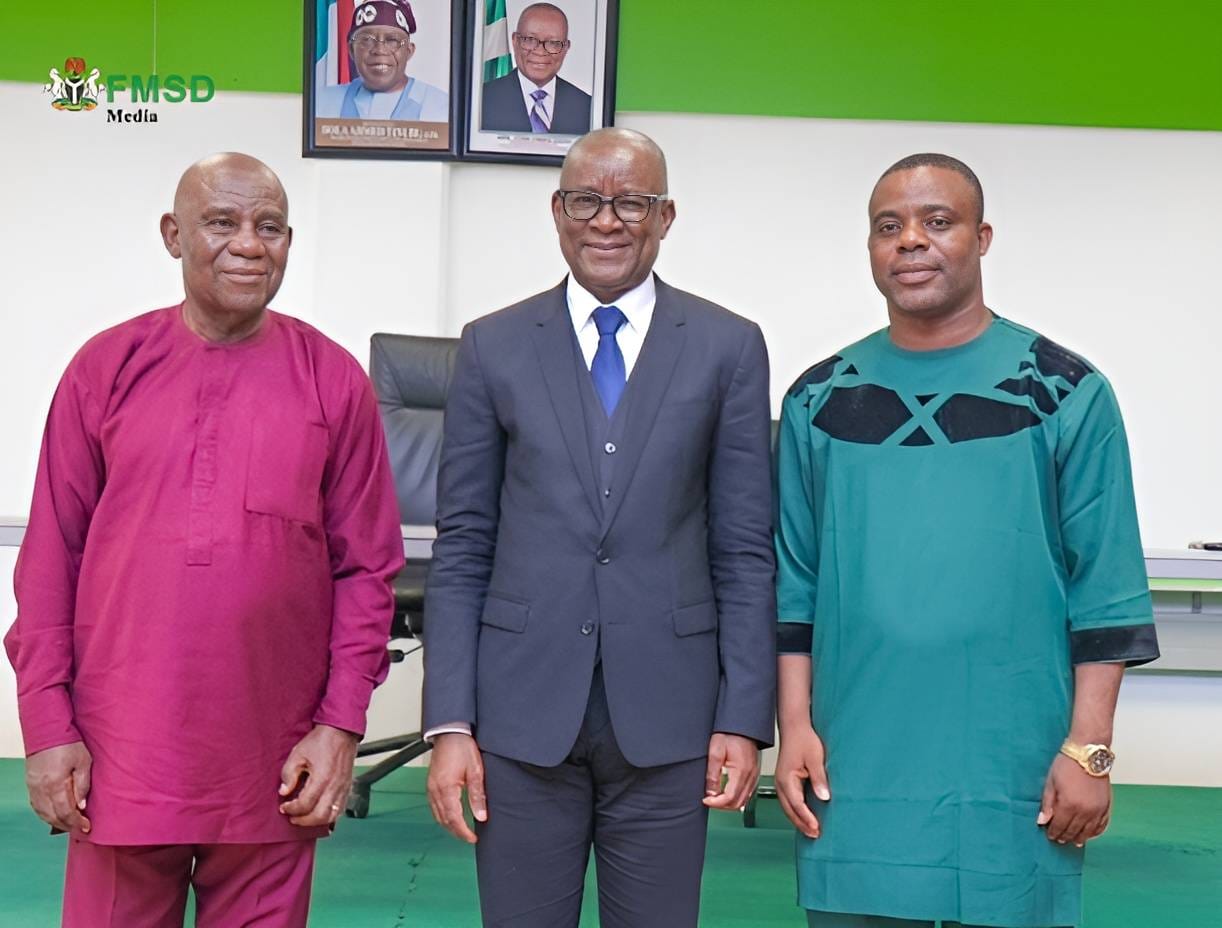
(794, 638)
(1131, 644)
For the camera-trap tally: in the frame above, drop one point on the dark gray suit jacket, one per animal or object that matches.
(502, 108)
(676, 571)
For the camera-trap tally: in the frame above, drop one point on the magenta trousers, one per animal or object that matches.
(251, 885)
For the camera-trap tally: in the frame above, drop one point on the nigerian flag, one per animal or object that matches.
(497, 62)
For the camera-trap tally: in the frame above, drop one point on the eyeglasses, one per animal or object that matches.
(366, 43)
(551, 46)
(583, 205)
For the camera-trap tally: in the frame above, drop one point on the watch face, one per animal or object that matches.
(1100, 761)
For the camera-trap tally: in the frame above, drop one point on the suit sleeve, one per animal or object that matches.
(468, 508)
(740, 549)
(361, 519)
(69, 483)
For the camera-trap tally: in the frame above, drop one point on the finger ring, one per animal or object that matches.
(334, 807)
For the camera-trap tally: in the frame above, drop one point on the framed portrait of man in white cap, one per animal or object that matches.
(382, 78)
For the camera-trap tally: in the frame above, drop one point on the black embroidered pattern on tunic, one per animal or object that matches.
(871, 414)
(868, 414)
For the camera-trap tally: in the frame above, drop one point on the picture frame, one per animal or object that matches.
(498, 125)
(343, 116)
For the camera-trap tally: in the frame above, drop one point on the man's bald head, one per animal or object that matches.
(612, 146)
(542, 9)
(215, 172)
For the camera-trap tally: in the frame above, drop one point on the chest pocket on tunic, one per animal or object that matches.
(284, 476)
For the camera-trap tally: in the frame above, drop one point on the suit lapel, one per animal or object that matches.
(646, 388)
(553, 334)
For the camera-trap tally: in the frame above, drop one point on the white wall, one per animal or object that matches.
(10, 733)
(1105, 241)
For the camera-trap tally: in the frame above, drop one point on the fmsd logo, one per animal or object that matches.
(72, 90)
(75, 92)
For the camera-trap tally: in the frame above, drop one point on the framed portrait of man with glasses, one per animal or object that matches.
(383, 78)
(540, 74)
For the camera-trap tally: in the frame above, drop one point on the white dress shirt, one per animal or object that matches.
(637, 306)
(547, 104)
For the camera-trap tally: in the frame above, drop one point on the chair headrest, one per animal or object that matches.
(411, 370)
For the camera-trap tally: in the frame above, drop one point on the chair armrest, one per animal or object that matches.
(408, 589)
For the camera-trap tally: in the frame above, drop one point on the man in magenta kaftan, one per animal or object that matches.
(203, 592)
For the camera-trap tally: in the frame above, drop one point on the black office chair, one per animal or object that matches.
(410, 377)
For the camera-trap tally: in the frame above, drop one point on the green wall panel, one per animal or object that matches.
(115, 35)
(240, 44)
(1059, 62)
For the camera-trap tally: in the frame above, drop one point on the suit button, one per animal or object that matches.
(587, 628)
(609, 447)
(601, 556)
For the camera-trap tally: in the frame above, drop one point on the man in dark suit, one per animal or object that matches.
(531, 98)
(598, 621)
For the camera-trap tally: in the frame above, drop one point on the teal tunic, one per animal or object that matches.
(956, 529)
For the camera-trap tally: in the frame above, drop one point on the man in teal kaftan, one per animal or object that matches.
(960, 585)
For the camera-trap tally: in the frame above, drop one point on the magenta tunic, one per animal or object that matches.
(206, 572)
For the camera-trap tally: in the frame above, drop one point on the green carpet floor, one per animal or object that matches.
(1160, 865)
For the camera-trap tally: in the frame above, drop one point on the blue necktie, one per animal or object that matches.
(607, 369)
(538, 115)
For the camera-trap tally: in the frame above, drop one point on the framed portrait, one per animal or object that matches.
(382, 79)
(538, 76)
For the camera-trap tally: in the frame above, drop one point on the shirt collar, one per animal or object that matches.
(529, 87)
(636, 305)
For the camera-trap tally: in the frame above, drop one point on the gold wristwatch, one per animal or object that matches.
(1095, 759)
